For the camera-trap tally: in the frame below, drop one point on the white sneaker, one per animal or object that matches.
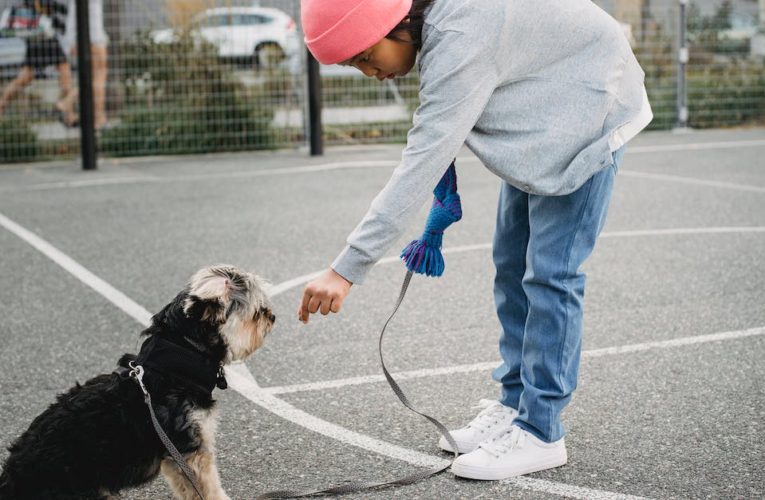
(493, 420)
(515, 453)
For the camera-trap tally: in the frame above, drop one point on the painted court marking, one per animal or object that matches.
(488, 366)
(244, 383)
(697, 146)
(389, 163)
(111, 294)
(691, 180)
(286, 285)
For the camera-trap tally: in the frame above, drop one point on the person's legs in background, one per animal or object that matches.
(99, 68)
(24, 78)
(64, 71)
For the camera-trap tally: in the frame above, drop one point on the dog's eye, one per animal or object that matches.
(266, 313)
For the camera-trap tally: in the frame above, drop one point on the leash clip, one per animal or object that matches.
(137, 374)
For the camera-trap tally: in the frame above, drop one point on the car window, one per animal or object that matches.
(215, 20)
(741, 21)
(250, 19)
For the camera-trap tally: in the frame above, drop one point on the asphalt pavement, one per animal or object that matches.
(670, 403)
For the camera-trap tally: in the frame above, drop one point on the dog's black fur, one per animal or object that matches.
(98, 438)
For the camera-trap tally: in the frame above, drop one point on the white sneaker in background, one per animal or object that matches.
(493, 420)
(514, 453)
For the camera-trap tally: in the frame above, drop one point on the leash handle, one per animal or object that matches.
(137, 375)
(359, 485)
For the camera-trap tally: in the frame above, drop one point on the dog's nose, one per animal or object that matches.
(272, 317)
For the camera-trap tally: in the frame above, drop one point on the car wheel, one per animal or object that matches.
(268, 56)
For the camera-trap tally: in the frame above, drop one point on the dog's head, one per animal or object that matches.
(224, 308)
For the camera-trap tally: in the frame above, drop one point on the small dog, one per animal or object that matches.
(98, 438)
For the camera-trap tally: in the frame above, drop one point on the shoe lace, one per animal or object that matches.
(512, 439)
(492, 412)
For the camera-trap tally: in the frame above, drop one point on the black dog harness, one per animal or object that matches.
(173, 360)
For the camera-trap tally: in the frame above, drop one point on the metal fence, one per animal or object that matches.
(201, 76)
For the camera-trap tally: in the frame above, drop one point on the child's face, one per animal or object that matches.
(386, 59)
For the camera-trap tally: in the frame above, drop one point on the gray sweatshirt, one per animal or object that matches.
(538, 90)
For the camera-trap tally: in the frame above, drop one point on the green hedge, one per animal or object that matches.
(733, 94)
(180, 98)
(18, 142)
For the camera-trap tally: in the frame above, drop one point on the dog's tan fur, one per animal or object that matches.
(202, 463)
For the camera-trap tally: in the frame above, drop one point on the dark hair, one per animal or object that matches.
(416, 18)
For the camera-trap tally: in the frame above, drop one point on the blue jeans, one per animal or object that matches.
(539, 244)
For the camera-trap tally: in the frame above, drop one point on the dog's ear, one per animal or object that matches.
(170, 317)
(210, 287)
(205, 310)
(208, 297)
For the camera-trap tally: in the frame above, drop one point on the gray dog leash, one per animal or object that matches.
(365, 485)
(137, 374)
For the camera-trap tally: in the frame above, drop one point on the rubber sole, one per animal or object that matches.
(484, 474)
(462, 447)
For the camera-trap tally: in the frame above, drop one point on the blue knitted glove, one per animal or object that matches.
(423, 256)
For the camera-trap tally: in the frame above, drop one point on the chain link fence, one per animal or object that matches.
(203, 76)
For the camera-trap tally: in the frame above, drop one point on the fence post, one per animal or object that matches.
(314, 105)
(682, 65)
(87, 133)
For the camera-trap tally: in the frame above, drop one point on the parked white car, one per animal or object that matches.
(262, 35)
(742, 26)
(12, 51)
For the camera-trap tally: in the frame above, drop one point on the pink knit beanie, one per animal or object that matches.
(336, 30)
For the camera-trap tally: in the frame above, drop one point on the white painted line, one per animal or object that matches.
(240, 382)
(490, 365)
(566, 490)
(238, 375)
(289, 284)
(81, 183)
(295, 282)
(288, 170)
(690, 180)
(243, 382)
(393, 163)
(373, 379)
(105, 289)
(684, 231)
(205, 177)
(701, 146)
(242, 385)
(663, 344)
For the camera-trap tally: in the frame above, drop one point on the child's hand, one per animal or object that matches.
(326, 292)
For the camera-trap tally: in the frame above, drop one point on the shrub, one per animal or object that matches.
(180, 98)
(723, 88)
(18, 142)
(726, 94)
